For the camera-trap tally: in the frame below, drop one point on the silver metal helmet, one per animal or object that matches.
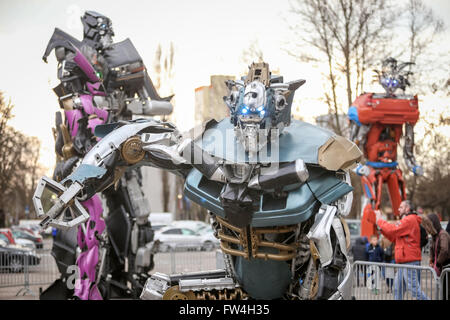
(260, 106)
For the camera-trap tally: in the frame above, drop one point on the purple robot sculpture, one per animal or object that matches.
(101, 82)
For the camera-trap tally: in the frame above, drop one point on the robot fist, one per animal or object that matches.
(417, 170)
(362, 170)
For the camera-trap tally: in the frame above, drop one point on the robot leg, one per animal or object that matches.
(368, 222)
(396, 189)
(368, 226)
(331, 238)
(142, 234)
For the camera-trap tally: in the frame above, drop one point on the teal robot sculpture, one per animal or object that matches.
(277, 190)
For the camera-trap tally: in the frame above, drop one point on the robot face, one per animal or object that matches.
(105, 30)
(254, 103)
(393, 76)
(390, 83)
(260, 106)
(251, 115)
(98, 29)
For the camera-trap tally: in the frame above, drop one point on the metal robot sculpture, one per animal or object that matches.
(277, 191)
(376, 124)
(101, 82)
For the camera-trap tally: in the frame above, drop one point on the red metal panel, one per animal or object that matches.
(386, 110)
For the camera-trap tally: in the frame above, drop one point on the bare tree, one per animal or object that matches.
(344, 36)
(19, 165)
(423, 26)
(433, 150)
(253, 53)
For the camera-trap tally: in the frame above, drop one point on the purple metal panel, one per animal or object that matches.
(72, 117)
(86, 102)
(93, 89)
(88, 259)
(84, 65)
(92, 123)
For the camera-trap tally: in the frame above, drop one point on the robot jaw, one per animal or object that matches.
(252, 137)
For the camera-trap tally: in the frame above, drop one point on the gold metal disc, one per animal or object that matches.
(174, 293)
(132, 151)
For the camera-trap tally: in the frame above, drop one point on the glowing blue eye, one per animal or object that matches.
(262, 113)
(260, 108)
(244, 111)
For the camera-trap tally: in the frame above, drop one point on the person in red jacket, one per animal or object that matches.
(405, 233)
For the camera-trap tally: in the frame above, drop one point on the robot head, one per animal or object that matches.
(392, 76)
(260, 106)
(97, 30)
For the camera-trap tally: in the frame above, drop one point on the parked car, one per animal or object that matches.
(25, 243)
(194, 225)
(33, 229)
(24, 233)
(171, 237)
(7, 236)
(34, 225)
(14, 257)
(157, 227)
(210, 241)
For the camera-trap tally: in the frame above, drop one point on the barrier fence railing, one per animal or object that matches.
(183, 259)
(27, 271)
(388, 281)
(443, 283)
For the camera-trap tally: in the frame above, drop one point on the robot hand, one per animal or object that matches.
(417, 170)
(362, 170)
(52, 199)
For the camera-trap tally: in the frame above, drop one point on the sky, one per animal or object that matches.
(208, 35)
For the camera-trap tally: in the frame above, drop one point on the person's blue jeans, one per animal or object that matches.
(408, 279)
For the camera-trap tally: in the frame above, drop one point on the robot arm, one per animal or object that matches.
(408, 150)
(358, 130)
(149, 102)
(132, 144)
(144, 106)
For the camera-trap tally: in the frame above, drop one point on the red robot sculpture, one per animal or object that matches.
(376, 126)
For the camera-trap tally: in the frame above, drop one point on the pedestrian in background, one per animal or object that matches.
(405, 233)
(375, 254)
(388, 272)
(440, 246)
(359, 253)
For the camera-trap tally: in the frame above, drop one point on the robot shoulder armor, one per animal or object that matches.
(339, 153)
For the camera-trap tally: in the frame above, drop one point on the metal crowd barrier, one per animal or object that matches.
(184, 259)
(388, 281)
(443, 283)
(26, 272)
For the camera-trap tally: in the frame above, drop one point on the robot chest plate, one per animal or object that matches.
(372, 109)
(295, 207)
